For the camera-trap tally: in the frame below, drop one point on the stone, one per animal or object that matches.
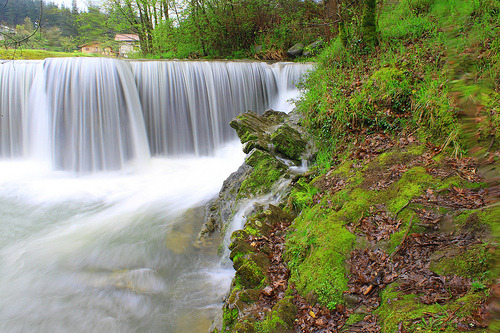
(313, 48)
(289, 142)
(296, 50)
(251, 270)
(282, 316)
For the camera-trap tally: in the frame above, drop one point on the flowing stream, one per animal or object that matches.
(105, 167)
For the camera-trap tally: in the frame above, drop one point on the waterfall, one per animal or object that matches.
(88, 115)
(105, 167)
(188, 105)
(15, 84)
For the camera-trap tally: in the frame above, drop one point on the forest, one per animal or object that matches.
(178, 29)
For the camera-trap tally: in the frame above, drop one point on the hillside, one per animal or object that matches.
(395, 227)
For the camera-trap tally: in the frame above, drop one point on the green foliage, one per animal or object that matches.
(416, 80)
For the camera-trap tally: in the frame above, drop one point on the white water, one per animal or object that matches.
(111, 251)
(96, 235)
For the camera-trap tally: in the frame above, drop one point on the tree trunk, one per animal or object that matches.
(369, 24)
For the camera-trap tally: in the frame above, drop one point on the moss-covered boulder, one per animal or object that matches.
(251, 127)
(289, 142)
(251, 270)
(266, 171)
(281, 318)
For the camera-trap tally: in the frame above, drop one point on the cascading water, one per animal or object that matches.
(93, 244)
(188, 105)
(15, 84)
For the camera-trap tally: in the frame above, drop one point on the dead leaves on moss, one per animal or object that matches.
(453, 197)
(317, 318)
(379, 225)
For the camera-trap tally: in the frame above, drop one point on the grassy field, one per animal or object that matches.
(24, 54)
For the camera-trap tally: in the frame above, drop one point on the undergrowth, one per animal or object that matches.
(437, 62)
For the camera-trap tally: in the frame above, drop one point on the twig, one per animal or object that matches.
(399, 211)
(404, 238)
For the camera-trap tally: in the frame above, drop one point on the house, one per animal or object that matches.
(4, 31)
(96, 48)
(127, 43)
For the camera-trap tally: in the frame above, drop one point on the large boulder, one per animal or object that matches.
(296, 50)
(289, 142)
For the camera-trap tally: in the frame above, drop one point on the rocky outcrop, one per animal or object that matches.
(275, 143)
(251, 260)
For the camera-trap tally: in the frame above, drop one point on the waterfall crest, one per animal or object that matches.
(88, 115)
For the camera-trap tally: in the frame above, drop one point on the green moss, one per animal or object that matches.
(354, 318)
(456, 181)
(475, 262)
(416, 149)
(345, 169)
(319, 239)
(390, 158)
(267, 170)
(281, 318)
(229, 317)
(409, 186)
(397, 307)
(301, 195)
(251, 270)
(288, 142)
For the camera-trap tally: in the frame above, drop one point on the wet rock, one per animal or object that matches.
(244, 327)
(289, 142)
(257, 156)
(251, 269)
(255, 144)
(250, 126)
(220, 210)
(296, 50)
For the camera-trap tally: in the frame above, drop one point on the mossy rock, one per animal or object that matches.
(243, 327)
(472, 263)
(281, 318)
(251, 270)
(256, 156)
(289, 142)
(251, 127)
(265, 173)
(238, 249)
(256, 144)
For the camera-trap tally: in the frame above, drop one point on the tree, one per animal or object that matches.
(369, 23)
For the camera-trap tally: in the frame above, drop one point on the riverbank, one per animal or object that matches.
(396, 236)
(395, 227)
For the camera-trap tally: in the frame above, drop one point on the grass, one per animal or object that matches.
(436, 58)
(25, 54)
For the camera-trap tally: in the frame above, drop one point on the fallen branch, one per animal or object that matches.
(396, 250)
